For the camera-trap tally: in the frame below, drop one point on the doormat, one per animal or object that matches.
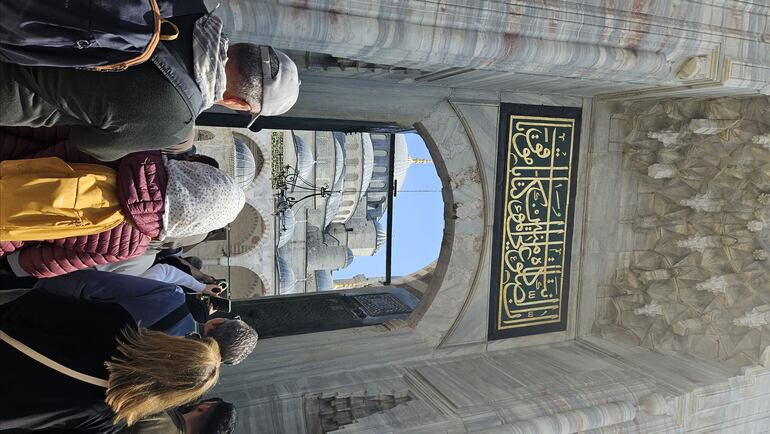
(535, 195)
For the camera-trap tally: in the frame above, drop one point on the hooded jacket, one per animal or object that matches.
(141, 188)
(159, 199)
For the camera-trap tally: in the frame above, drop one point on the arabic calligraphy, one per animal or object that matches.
(534, 221)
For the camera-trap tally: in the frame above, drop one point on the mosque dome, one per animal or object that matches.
(377, 190)
(245, 163)
(324, 280)
(401, 161)
(339, 160)
(382, 235)
(305, 159)
(368, 161)
(359, 168)
(286, 222)
(334, 200)
(286, 277)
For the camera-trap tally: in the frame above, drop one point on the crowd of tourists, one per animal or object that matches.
(105, 325)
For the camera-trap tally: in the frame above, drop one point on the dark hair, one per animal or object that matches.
(221, 418)
(236, 340)
(205, 159)
(247, 59)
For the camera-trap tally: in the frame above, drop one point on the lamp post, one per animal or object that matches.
(292, 179)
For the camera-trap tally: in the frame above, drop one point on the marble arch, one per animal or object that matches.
(465, 210)
(252, 234)
(458, 268)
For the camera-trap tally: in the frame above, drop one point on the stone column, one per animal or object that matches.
(433, 36)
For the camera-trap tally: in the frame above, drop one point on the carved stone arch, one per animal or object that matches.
(244, 282)
(256, 151)
(248, 228)
(456, 273)
(451, 287)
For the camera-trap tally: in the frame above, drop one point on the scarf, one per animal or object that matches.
(199, 199)
(209, 57)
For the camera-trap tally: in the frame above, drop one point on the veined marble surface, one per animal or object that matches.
(608, 388)
(582, 48)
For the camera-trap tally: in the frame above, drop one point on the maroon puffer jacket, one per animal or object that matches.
(142, 180)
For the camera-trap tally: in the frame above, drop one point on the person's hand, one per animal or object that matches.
(199, 275)
(212, 289)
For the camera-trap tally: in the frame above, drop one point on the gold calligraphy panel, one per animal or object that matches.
(533, 220)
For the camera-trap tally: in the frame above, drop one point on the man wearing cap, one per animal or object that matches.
(152, 105)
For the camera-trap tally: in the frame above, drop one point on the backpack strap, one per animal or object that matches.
(172, 36)
(56, 366)
(148, 50)
(171, 318)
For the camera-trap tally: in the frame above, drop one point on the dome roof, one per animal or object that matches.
(349, 258)
(401, 161)
(245, 164)
(339, 136)
(333, 203)
(305, 159)
(324, 280)
(339, 161)
(368, 163)
(286, 222)
(382, 235)
(286, 276)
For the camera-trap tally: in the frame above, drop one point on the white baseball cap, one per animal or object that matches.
(279, 93)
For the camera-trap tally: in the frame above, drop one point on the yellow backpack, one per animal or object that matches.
(46, 198)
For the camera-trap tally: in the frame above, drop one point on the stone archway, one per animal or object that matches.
(455, 275)
(454, 281)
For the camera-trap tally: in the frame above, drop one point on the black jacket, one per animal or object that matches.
(78, 334)
(110, 114)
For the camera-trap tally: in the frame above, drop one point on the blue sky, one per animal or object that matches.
(418, 222)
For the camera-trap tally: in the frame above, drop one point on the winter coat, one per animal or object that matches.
(142, 182)
(76, 333)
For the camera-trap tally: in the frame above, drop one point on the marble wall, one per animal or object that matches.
(568, 387)
(578, 48)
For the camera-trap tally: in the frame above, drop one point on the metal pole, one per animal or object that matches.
(240, 120)
(391, 195)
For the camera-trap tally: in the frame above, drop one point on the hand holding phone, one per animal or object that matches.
(221, 304)
(212, 289)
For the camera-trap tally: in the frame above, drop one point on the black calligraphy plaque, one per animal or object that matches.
(535, 195)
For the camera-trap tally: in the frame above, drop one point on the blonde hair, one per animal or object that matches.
(155, 372)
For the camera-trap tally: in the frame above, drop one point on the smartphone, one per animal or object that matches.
(221, 304)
